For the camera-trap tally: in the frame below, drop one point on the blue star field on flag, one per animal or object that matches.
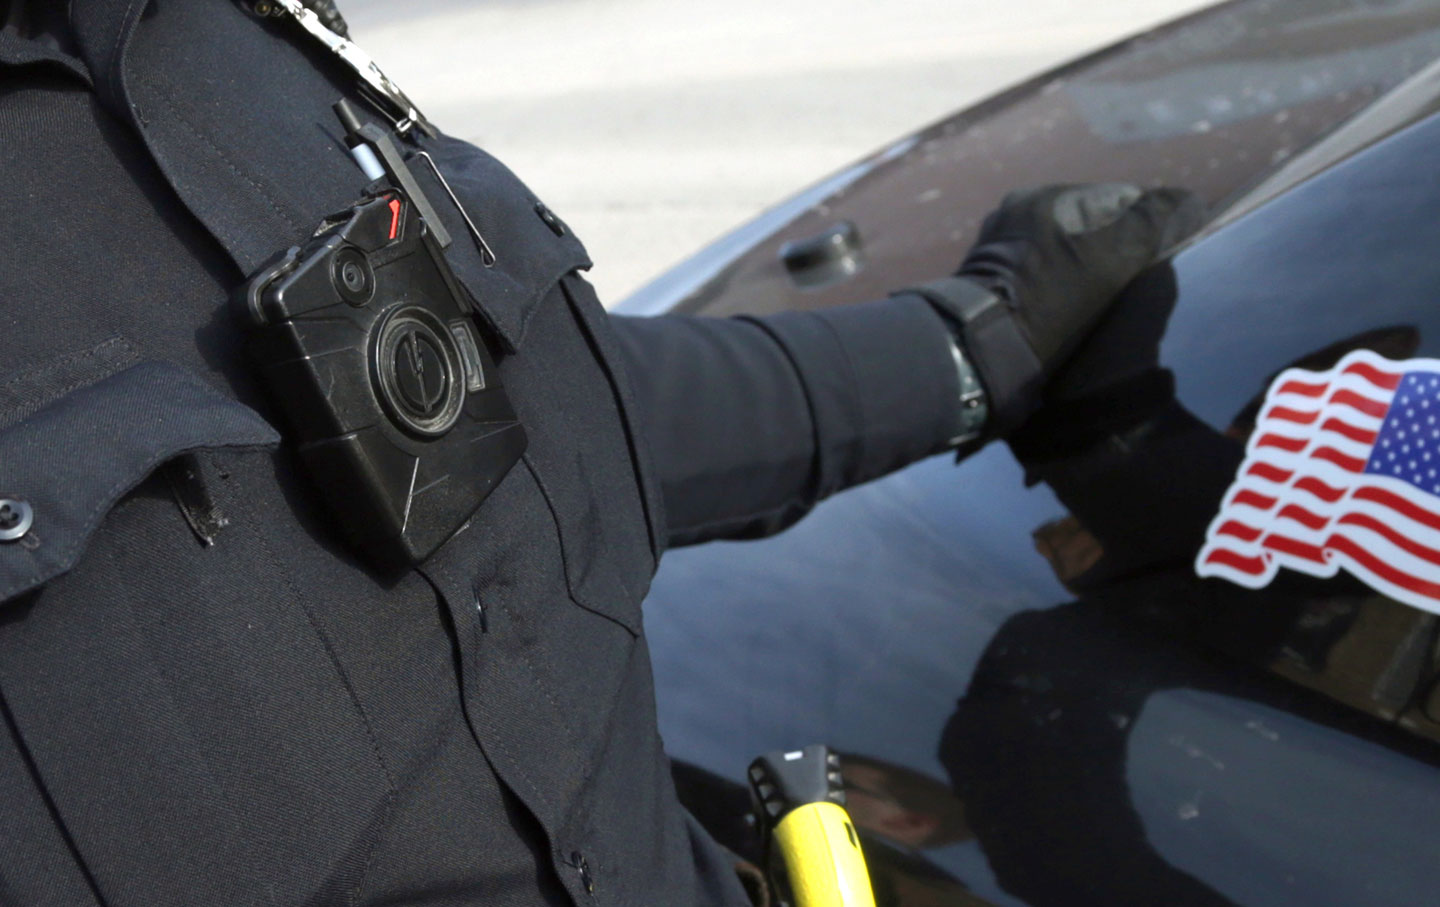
(1408, 446)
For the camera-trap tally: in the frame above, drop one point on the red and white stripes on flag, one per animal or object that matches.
(1342, 472)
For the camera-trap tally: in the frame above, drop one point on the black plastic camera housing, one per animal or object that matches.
(374, 352)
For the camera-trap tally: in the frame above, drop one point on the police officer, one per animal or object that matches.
(208, 696)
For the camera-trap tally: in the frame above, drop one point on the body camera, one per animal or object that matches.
(373, 351)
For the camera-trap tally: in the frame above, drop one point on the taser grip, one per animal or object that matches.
(822, 857)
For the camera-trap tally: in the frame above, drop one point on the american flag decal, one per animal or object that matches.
(1341, 472)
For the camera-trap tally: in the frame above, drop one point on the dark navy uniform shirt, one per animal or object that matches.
(205, 697)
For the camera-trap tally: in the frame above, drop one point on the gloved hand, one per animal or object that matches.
(1046, 266)
(1114, 380)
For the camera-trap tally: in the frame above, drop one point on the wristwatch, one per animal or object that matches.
(974, 405)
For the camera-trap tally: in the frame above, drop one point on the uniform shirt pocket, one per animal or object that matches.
(64, 465)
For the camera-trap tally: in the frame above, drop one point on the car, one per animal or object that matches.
(1046, 686)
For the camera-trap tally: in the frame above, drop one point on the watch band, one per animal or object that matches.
(995, 345)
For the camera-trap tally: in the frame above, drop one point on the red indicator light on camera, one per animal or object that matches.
(394, 217)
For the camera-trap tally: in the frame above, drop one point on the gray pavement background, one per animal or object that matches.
(653, 126)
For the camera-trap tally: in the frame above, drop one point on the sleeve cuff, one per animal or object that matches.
(881, 382)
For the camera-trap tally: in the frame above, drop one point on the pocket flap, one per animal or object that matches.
(70, 461)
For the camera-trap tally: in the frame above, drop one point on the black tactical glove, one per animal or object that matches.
(1046, 266)
(1112, 383)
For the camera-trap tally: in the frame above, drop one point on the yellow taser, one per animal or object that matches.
(822, 858)
(813, 851)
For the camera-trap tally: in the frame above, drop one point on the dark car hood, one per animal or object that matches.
(1216, 102)
(1107, 722)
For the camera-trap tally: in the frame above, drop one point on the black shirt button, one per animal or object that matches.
(16, 518)
(549, 219)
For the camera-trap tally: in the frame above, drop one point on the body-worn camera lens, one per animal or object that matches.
(419, 372)
(353, 277)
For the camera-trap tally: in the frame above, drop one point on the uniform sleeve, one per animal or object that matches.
(753, 420)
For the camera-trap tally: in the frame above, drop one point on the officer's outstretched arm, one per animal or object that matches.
(751, 421)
